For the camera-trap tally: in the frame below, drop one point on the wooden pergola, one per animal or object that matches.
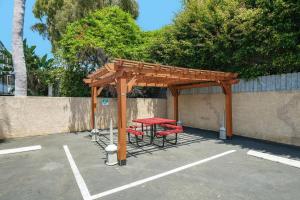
(126, 74)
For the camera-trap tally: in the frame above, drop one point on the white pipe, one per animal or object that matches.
(111, 132)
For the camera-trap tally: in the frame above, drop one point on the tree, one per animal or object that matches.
(251, 37)
(41, 71)
(104, 34)
(55, 15)
(71, 84)
(92, 41)
(17, 49)
(200, 35)
(269, 41)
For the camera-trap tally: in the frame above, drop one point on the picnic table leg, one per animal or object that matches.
(152, 134)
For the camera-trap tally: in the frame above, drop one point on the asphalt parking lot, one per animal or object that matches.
(200, 166)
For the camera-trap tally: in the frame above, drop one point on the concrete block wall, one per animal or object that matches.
(273, 116)
(30, 116)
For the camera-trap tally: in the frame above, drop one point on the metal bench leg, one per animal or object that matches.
(173, 143)
(137, 140)
(164, 139)
(129, 138)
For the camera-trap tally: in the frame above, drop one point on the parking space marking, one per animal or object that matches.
(136, 183)
(286, 161)
(19, 150)
(80, 181)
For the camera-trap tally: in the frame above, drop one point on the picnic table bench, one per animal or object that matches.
(169, 124)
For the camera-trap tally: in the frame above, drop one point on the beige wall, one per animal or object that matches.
(273, 116)
(28, 116)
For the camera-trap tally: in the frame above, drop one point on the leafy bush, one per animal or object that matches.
(91, 41)
(109, 32)
(252, 37)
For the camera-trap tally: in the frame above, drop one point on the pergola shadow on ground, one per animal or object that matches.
(193, 135)
(126, 74)
(187, 138)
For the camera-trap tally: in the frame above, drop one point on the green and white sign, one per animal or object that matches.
(105, 102)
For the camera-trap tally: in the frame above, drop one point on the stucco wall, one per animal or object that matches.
(273, 116)
(28, 116)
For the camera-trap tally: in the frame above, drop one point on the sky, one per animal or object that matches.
(154, 14)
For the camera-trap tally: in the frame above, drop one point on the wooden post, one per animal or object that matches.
(93, 106)
(175, 94)
(228, 109)
(122, 92)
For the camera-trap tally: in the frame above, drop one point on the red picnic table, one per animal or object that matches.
(153, 122)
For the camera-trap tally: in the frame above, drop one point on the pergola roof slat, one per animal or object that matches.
(149, 74)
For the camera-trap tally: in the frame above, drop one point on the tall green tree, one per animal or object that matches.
(17, 49)
(269, 41)
(55, 15)
(91, 41)
(104, 34)
(252, 37)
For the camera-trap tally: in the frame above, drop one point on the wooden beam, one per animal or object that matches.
(198, 85)
(176, 74)
(103, 81)
(99, 91)
(175, 94)
(107, 80)
(87, 80)
(99, 72)
(131, 83)
(122, 141)
(228, 109)
(148, 84)
(111, 67)
(184, 70)
(93, 106)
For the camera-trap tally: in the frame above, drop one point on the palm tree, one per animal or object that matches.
(17, 49)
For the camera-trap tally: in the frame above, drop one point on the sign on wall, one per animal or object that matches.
(105, 102)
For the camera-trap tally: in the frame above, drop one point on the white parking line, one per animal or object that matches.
(279, 159)
(136, 183)
(80, 182)
(21, 149)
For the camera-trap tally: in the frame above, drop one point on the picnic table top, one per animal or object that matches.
(154, 120)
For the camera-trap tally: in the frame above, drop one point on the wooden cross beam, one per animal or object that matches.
(131, 83)
(197, 85)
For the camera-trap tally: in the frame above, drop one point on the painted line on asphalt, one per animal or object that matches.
(21, 149)
(136, 183)
(80, 181)
(286, 161)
